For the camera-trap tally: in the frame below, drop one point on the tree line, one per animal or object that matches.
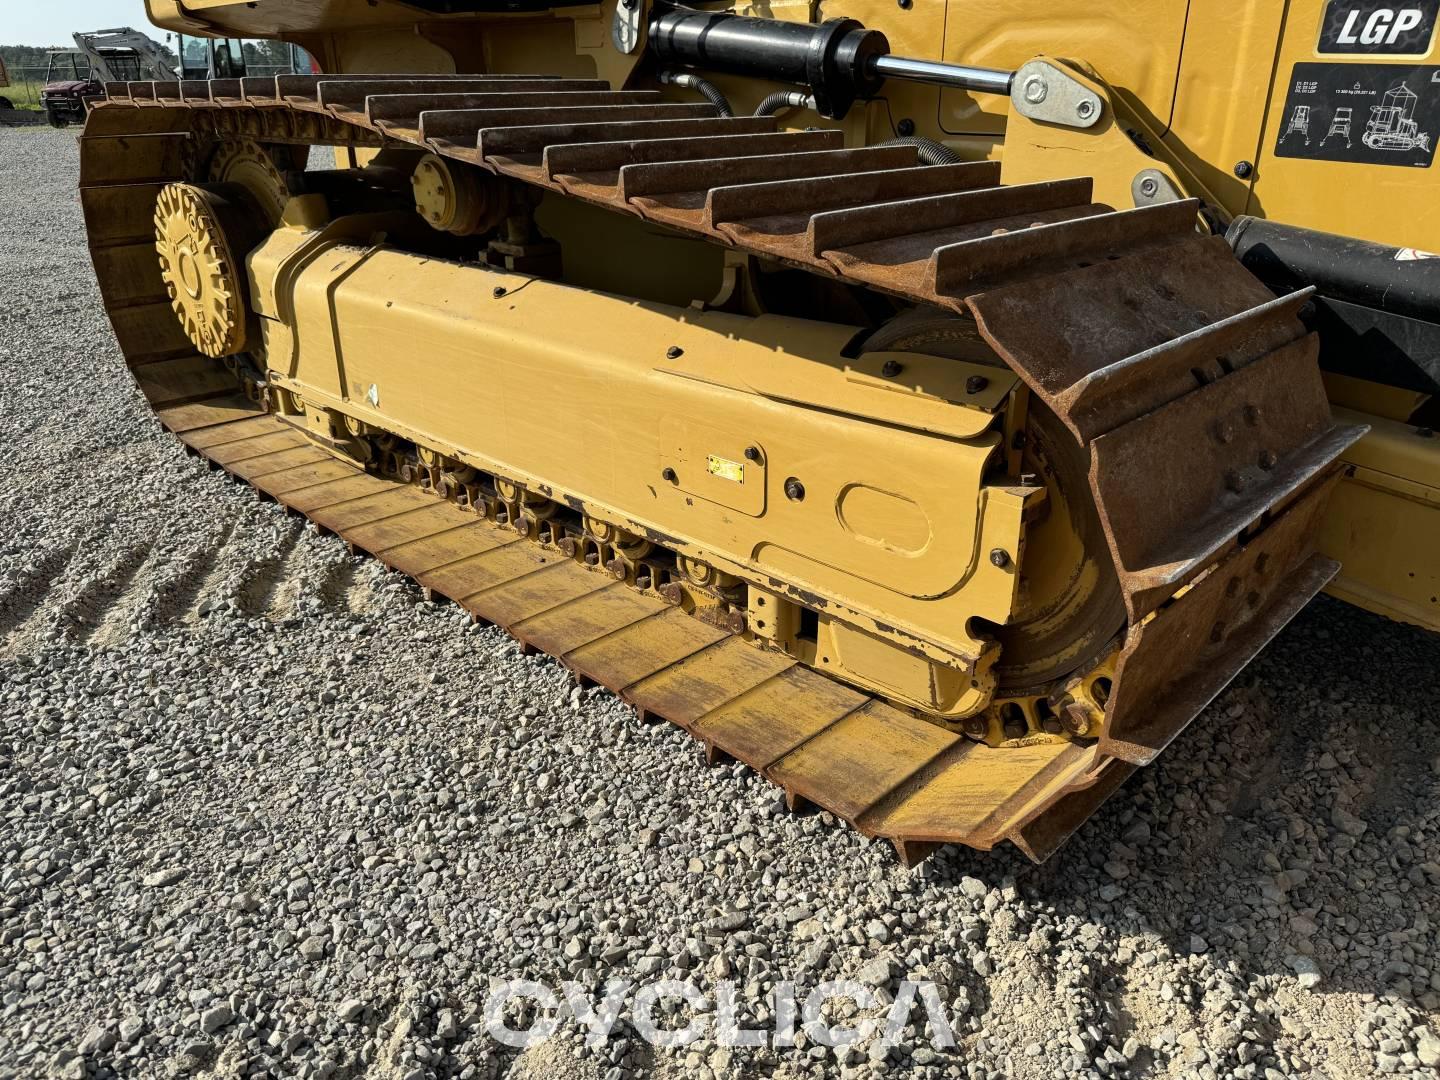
(259, 53)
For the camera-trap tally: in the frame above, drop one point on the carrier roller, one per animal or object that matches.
(1190, 388)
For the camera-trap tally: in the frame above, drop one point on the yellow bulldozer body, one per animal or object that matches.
(1196, 91)
(954, 577)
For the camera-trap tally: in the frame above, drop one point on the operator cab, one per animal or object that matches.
(211, 58)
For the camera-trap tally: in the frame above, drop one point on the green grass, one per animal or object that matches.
(23, 93)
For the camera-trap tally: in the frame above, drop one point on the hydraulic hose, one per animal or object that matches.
(707, 90)
(931, 152)
(784, 99)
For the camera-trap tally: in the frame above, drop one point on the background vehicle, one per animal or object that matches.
(784, 376)
(76, 76)
(5, 102)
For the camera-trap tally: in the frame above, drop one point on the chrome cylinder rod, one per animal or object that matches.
(960, 76)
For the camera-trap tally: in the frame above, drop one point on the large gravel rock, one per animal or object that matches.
(265, 812)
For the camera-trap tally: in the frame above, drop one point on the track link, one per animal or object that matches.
(1195, 391)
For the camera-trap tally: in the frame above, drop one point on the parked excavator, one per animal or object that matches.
(931, 405)
(74, 77)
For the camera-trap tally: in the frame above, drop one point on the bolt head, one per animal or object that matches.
(1035, 90)
(674, 352)
(752, 453)
(668, 474)
(794, 490)
(1244, 169)
(498, 291)
(905, 127)
(1000, 558)
(891, 368)
(1075, 719)
(1149, 186)
(975, 383)
(1085, 109)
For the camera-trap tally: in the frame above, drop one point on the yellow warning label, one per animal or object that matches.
(725, 468)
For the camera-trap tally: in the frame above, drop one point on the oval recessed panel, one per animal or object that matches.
(883, 518)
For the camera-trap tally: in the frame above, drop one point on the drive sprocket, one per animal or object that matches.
(195, 229)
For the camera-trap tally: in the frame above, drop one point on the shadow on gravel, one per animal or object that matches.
(1294, 829)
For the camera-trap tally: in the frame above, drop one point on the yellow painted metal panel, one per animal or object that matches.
(199, 414)
(417, 524)
(232, 453)
(699, 684)
(862, 758)
(640, 650)
(766, 723)
(255, 467)
(560, 630)
(1390, 205)
(472, 575)
(323, 483)
(522, 598)
(431, 552)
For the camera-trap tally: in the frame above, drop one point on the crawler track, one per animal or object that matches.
(1194, 390)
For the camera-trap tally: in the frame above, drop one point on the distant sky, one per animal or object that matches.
(51, 22)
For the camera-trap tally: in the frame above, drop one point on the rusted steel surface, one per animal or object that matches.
(1198, 396)
(532, 144)
(1124, 308)
(1193, 388)
(1217, 627)
(1242, 445)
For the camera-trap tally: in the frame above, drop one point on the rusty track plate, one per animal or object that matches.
(1220, 623)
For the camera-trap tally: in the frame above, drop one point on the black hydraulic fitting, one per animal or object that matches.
(833, 60)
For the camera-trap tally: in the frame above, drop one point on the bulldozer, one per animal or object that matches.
(932, 405)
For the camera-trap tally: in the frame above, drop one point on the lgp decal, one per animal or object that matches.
(1375, 26)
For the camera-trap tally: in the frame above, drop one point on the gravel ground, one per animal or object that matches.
(263, 811)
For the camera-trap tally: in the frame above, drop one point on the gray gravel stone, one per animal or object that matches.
(350, 1010)
(246, 774)
(212, 1020)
